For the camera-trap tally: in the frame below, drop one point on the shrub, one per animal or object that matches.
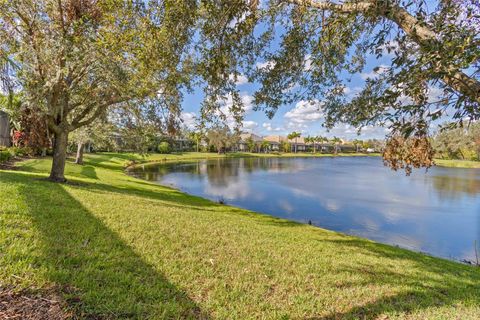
(164, 147)
(5, 155)
(12, 152)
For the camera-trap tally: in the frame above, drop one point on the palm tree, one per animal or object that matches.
(294, 135)
(357, 143)
(195, 136)
(336, 141)
(310, 140)
(250, 144)
(265, 146)
(321, 139)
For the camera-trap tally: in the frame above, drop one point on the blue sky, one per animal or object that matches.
(299, 116)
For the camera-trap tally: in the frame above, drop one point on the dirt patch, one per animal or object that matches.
(10, 164)
(32, 305)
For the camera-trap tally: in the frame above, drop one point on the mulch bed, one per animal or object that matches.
(32, 306)
(8, 165)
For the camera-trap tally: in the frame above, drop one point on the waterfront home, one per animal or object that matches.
(244, 139)
(298, 144)
(275, 142)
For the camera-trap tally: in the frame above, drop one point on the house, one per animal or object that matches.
(298, 144)
(275, 142)
(244, 139)
(5, 139)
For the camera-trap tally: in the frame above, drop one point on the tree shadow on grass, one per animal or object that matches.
(89, 172)
(181, 200)
(101, 276)
(435, 282)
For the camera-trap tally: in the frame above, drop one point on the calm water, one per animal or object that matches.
(436, 212)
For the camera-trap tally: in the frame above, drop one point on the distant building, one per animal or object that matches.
(275, 142)
(243, 142)
(5, 139)
(299, 143)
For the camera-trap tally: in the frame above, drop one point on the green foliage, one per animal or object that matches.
(7, 154)
(221, 138)
(458, 143)
(308, 50)
(250, 144)
(163, 147)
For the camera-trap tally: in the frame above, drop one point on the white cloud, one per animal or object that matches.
(239, 79)
(249, 125)
(308, 62)
(391, 46)
(227, 105)
(434, 94)
(189, 119)
(267, 65)
(268, 126)
(373, 74)
(305, 112)
(351, 92)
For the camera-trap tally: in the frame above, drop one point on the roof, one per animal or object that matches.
(299, 140)
(274, 139)
(245, 136)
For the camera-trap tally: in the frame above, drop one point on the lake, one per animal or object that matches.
(436, 212)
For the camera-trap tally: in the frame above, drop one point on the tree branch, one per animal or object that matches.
(419, 33)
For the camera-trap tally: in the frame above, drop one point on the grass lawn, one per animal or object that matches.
(457, 163)
(119, 247)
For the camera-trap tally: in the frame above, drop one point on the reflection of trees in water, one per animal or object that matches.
(456, 187)
(157, 171)
(220, 172)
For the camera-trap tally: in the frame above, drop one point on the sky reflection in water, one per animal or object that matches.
(436, 212)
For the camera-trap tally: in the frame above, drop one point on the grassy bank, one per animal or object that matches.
(122, 248)
(458, 163)
(186, 156)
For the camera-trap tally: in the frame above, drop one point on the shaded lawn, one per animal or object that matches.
(119, 247)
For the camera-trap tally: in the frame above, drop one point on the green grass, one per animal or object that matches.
(119, 247)
(457, 163)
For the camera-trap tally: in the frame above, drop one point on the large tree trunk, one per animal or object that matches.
(57, 174)
(80, 149)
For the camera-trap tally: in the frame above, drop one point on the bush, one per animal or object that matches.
(163, 147)
(5, 155)
(12, 152)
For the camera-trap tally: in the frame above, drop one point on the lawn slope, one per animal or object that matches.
(118, 247)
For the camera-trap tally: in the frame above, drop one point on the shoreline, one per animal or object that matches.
(223, 203)
(156, 252)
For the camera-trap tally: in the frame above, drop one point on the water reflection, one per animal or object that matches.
(437, 212)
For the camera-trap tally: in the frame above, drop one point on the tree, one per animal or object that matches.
(321, 140)
(98, 133)
(459, 143)
(286, 146)
(250, 144)
(357, 143)
(431, 48)
(294, 135)
(76, 59)
(196, 136)
(221, 138)
(336, 142)
(310, 140)
(265, 145)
